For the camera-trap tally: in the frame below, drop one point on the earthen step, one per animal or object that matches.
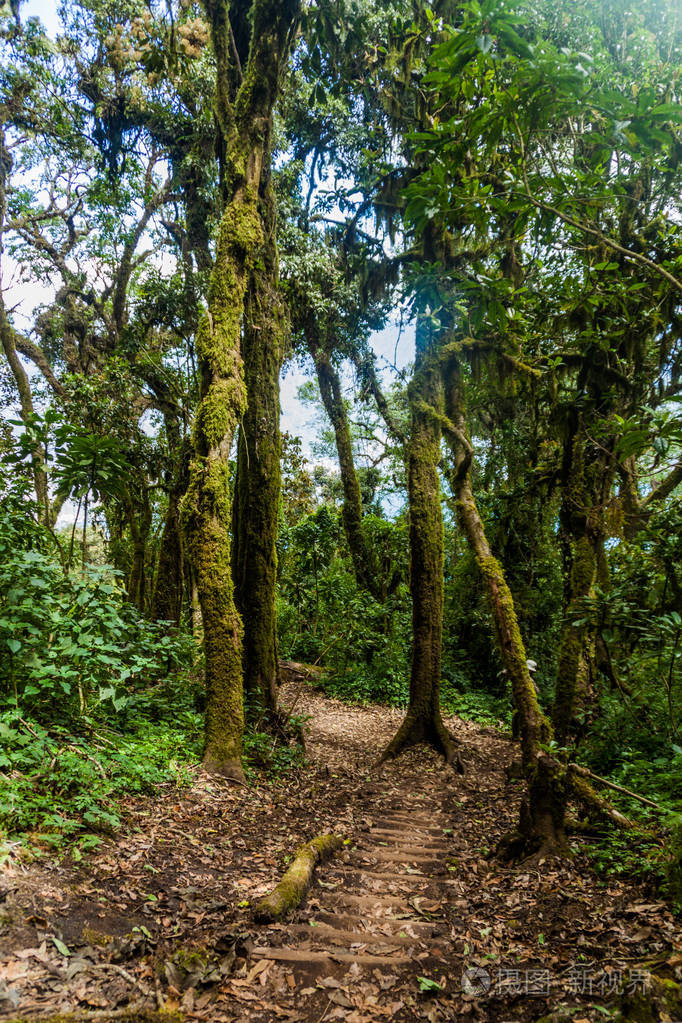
(406, 824)
(296, 955)
(325, 932)
(397, 853)
(370, 901)
(413, 877)
(414, 837)
(395, 924)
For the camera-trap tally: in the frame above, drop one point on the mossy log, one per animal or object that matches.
(595, 804)
(290, 891)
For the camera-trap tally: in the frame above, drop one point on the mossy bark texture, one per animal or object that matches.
(169, 585)
(256, 508)
(290, 891)
(423, 721)
(580, 522)
(542, 815)
(245, 96)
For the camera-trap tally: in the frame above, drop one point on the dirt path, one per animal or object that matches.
(411, 922)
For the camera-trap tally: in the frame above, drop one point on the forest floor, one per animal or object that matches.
(410, 922)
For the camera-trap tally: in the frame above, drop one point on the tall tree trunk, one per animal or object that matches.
(245, 96)
(580, 519)
(139, 521)
(7, 339)
(256, 507)
(169, 581)
(423, 721)
(169, 584)
(332, 399)
(542, 814)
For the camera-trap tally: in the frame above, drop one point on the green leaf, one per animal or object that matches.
(426, 984)
(61, 947)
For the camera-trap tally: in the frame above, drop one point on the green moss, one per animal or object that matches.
(290, 891)
(97, 938)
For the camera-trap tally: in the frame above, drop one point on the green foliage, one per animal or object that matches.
(95, 701)
(325, 618)
(57, 784)
(273, 756)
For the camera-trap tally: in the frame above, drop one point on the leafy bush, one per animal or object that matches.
(56, 785)
(94, 699)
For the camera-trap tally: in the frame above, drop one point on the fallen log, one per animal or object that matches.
(594, 804)
(586, 773)
(289, 893)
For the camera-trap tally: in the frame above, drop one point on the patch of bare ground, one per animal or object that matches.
(410, 922)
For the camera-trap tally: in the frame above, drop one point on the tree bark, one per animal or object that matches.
(423, 722)
(257, 492)
(332, 399)
(580, 521)
(243, 115)
(542, 826)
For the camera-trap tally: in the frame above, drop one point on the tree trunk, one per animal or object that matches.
(7, 339)
(169, 585)
(423, 721)
(580, 520)
(542, 813)
(257, 493)
(332, 399)
(169, 582)
(245, 96)
(139, 522)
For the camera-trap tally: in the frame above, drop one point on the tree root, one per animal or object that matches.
(231, 770)
(289, 893)
(414, 732)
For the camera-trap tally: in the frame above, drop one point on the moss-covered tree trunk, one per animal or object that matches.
(8, 342)
(423, 721)
(542, 815)
(581, 515)
(245, 96)
(257, 492)
(139, 514)
(332, 399)
(169, 584)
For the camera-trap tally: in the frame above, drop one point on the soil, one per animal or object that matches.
(412, 921)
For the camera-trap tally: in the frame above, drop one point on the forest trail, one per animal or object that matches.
(161, 917)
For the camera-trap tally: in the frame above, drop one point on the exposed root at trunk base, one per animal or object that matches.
(542, 829)
(289, 893)
(416, 731)
(229, 769)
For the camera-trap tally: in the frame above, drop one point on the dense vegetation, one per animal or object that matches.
(196, 197)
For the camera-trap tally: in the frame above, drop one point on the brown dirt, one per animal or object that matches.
(161, 916)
